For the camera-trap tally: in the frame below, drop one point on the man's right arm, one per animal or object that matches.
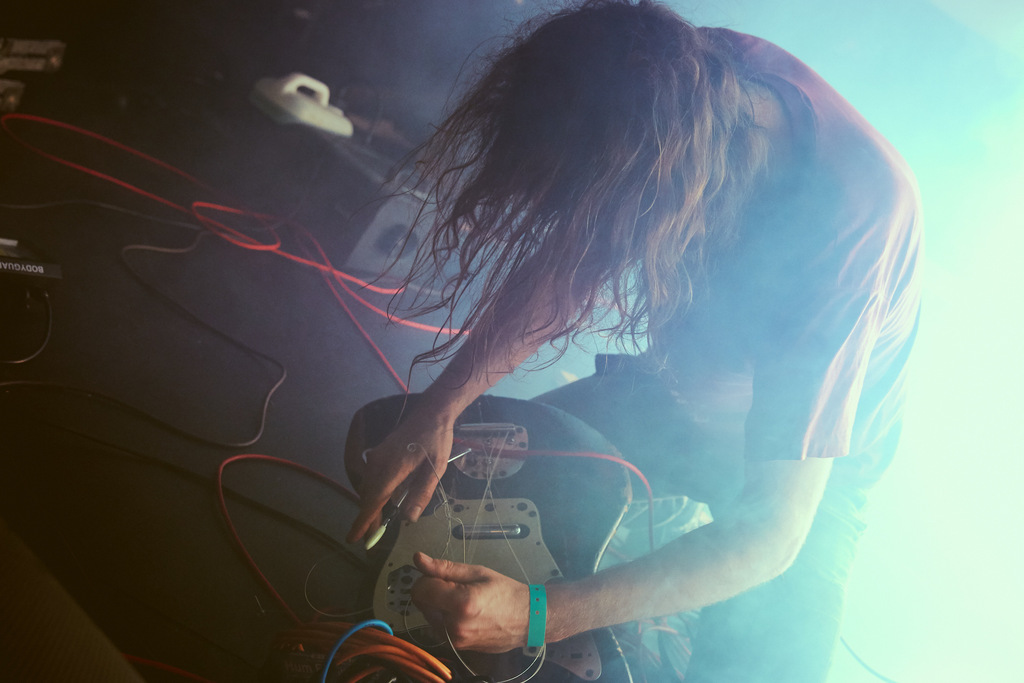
(415, 454)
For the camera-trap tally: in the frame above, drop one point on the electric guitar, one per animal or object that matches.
(512, 501)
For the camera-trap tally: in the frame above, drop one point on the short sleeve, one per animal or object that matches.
(808, 378)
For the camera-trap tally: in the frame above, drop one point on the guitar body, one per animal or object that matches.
(536, 518)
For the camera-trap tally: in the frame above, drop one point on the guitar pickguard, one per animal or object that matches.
(502, 484)
(503, 534)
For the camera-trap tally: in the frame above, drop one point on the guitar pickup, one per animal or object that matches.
(479, 532)
(493, 449)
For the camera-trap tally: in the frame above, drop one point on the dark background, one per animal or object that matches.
(159, 362)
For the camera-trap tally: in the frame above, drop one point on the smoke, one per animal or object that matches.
(935, 589)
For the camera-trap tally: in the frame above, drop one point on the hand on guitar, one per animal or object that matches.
(480, 609)
(411, 459)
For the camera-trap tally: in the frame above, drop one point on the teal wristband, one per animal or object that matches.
(538, 616)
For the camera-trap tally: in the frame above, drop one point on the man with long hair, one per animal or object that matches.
(706, 195)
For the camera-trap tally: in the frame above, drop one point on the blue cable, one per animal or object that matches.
(358, 627)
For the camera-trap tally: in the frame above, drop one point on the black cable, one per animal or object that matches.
(187, 313)
(102, 205)
(132, 410)
(864, 664)
(115, 450)
(95, 395)
(46, 339)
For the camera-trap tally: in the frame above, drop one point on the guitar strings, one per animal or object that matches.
(451, 520)
(445, 553)
(497, 515)
(493, 459)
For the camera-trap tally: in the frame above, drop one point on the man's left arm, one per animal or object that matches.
(755, 541)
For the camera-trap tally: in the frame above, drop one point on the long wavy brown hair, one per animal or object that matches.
(593, 166)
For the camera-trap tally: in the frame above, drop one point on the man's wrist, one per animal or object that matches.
(562, 621)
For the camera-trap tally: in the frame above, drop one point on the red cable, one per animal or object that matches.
(229, 234)
(362, 331)
(178, 207)
(107, 141)
(404, 656)
(88, 133)
(251, 243)
(341, 275)
(222, 500)
(327, 269)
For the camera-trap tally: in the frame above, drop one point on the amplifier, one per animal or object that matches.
(19, 261)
